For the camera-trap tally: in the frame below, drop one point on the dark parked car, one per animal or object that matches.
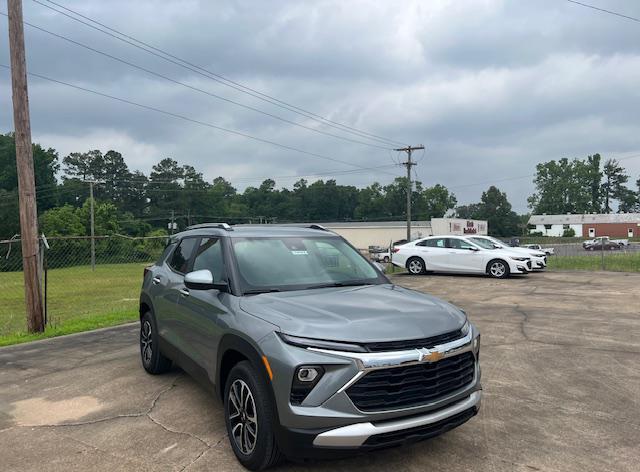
(314, 352)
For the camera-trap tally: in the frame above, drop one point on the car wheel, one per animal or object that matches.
(415, 266)
(152, 359)
(249, 417)
(386, 259)
(498, 269)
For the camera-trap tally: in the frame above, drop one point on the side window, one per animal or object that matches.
(209, 256)
(180, 258)
(455, 243)
(437, 242)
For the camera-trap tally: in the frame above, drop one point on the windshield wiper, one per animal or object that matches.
(352, 283)
(258, 291)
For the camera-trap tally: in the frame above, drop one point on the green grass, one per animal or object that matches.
(612, 262)
(78, 300)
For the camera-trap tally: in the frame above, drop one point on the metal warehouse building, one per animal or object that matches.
(363, 234)
(589, 225)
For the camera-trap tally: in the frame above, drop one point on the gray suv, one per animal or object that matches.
(313, 351)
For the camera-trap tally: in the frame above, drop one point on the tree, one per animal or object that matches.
(566, 186)
(437, 201)
(45, 166)
(63, 221)
(496, 209)
(84, 165)
(614, 184)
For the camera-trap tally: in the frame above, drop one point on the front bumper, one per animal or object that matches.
(355, 435)
(299, 444)
(327, 424)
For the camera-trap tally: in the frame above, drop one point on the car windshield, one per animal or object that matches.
(296, 263)
(483, 243)
(498, 242)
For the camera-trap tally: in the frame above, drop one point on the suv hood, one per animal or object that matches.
(356, 314)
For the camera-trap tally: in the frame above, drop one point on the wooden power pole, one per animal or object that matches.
(409, 164)
(24, 162)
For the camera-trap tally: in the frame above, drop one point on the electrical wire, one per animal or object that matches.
(192, 120)
(211, 75)
(603, 10)
(196, 89)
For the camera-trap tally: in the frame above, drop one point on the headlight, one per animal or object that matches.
(521, 259)
(321, 344)
(465, 328)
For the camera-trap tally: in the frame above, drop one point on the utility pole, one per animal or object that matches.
(172, 225)
(93, 229)
(24, 164)
(409, 164)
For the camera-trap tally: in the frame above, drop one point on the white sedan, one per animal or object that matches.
(538, 258)
(458, 254)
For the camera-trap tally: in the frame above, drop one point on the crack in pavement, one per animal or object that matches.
(109, 418)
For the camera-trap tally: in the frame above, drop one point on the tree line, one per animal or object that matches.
(583, 186)
(134, 203)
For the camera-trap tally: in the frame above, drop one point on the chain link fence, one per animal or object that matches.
(73, 287)
(624, 256)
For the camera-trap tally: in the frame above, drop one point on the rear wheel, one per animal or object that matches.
(386, 259)
(498, 269)
(250, 418)
(152, 359)
(415, 266)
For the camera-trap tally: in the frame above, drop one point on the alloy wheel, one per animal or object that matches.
(146, 342)
(497, 269)
(415, 267)
(243, 417)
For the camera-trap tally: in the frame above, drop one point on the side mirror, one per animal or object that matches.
(203, 280)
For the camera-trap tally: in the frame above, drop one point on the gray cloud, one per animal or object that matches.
(491, 87)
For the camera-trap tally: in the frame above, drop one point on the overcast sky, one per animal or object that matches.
(490, 87)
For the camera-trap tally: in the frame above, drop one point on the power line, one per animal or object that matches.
(196, 89)
(192, 120)
(603, 10)
(166, 56)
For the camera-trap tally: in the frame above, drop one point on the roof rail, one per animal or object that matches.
(317, 226)
(224, 226)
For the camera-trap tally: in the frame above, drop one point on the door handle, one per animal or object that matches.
(155, 280)
(184, 292)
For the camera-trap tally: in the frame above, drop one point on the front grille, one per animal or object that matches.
(419, 433)
(404, 387)
(413, 343)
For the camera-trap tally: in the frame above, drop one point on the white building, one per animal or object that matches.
(587, 225)
(363, 234)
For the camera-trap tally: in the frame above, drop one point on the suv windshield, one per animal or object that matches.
(483, 243)
(296, 263)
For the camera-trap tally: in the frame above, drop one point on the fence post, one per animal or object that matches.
(602, 254)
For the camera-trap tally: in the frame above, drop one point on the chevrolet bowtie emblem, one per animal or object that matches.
(431, 356)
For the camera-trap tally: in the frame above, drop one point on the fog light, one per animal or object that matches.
(307, 374)
(305, 379)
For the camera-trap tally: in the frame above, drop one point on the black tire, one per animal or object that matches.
(265, 452)
(415, 266)
(493, 269)
(386, 259)
(152, 359)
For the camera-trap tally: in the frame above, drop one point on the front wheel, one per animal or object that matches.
(498, 269)
(386, 259)
(249, 417)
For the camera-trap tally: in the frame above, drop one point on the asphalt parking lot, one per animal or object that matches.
(560, 355)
